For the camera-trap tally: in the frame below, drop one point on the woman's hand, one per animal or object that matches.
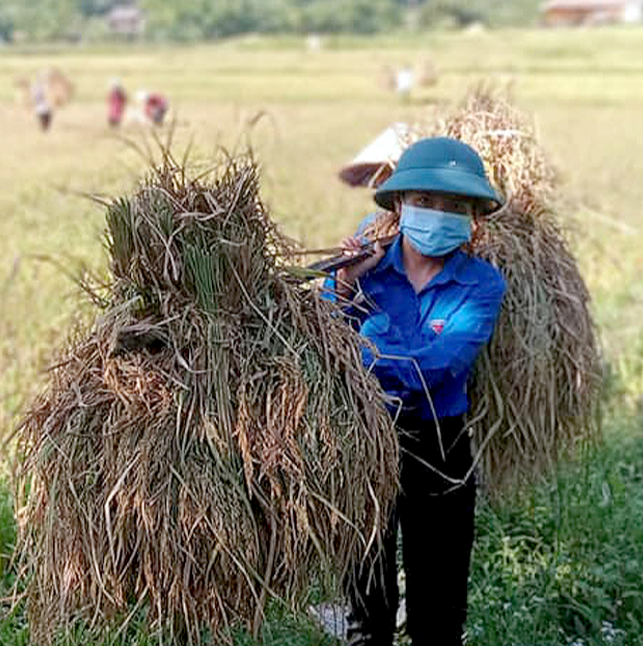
(347, 276)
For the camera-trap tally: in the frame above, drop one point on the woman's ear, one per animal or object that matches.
(397, 203)
(478, 209)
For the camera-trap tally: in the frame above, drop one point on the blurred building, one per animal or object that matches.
(557, 13)
(126, 20)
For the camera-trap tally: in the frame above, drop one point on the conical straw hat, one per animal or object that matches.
(376, 162)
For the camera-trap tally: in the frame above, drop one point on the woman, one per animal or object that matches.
(428, 308)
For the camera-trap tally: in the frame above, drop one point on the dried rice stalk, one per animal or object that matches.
(535, 390)
(214, 440)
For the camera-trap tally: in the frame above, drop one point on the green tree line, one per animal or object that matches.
(192, 20)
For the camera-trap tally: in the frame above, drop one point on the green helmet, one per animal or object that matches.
(439, 165)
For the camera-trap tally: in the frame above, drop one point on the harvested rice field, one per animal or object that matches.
(305, 113)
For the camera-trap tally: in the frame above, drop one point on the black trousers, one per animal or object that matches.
(436, 517)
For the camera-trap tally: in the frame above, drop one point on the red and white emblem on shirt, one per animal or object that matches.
(437, 325)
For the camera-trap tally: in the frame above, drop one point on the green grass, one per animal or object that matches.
(548, 569)
(566, 563)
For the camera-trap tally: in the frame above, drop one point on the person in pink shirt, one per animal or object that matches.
(116, 102)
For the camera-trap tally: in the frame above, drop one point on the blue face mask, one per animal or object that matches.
(434, 233)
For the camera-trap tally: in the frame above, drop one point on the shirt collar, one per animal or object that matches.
(392, 258)
(456, 268)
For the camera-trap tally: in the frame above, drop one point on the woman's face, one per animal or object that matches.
(439, 202)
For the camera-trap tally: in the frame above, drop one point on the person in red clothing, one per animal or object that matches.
(156, 105)
(116, 102)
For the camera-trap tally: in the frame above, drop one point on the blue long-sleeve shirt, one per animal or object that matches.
(427, 342)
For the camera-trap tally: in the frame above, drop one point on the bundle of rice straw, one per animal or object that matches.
(535, 392)
(213, 441)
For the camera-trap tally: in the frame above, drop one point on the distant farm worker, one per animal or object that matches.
(41, 105)
(156, 106)
(404, 81)
(428, 307)
(116, 103)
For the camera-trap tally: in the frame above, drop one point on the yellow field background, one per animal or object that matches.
(312, 111)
